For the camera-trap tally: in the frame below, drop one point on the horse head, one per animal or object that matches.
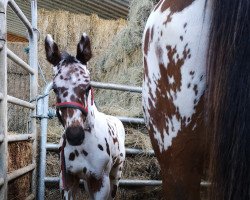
(71, 84)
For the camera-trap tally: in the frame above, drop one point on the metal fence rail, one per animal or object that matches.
(129, 151)
(5, 177)
(122, 182)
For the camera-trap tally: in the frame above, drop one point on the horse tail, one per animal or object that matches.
(228, 100)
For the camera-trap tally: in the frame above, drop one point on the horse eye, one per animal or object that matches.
(54, 88)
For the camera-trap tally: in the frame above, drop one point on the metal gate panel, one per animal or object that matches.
(5, 53)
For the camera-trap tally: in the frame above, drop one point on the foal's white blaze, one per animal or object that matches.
(187, 31)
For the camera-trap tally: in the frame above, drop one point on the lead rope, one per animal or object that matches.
(63, 168)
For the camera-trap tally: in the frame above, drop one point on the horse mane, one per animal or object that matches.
(228, 100)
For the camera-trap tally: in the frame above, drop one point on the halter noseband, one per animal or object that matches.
(82, 107)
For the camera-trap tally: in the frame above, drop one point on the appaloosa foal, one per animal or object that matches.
(92, 145)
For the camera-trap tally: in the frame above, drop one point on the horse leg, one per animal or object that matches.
(182, 163)
(98, 189)
(115, 176)
(68, 186)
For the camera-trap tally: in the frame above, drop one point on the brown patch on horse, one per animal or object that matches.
(117, 164)
(62, 89)
(94, 184)
(145, 68)
(182, 163)
(65, 94)
(152, 33)
(157, 5)
(107, 147)
(164, 108)
(176, 5)
(146, 41)
(70, 112)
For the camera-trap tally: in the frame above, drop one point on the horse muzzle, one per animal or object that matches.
(75, 135)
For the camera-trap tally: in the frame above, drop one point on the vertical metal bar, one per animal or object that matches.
(43, 104)
(3, 102)
(33, 61)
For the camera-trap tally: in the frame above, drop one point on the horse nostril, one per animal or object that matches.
(75, 135)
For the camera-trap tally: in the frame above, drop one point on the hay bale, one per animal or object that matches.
(122, 63)
(20, 155)
(18, 86)
(19, 189)
(66, 29)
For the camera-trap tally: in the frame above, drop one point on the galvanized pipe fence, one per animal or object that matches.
(31, 135)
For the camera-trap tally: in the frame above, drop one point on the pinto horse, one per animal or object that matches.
(92, 146)
(196, 95)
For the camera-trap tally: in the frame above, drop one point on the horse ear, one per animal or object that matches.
(84, 49)
(52, 51)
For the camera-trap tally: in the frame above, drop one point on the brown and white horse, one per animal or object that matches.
(92, 145)
(196, 95)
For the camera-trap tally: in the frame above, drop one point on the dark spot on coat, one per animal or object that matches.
(121, 154)
(181, 38)
(94, 184)
(72, 98)
(84, 170)
(72, 156)
(195, 89)
(146, 41)
(76, 152)
(65, 94)
(191, 72)
(107, 146)
(84, 152)
(100, 147)
(152, 33)
(62, 89)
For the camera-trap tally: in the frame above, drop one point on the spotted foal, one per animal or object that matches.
(92, 145)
